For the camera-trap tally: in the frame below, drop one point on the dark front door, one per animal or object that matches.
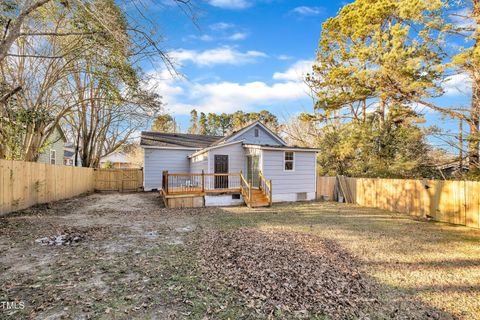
(221, 166)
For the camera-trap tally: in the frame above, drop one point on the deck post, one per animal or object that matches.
(241, 182)
(250, 195)
(166, 181)
(203, 181)
(270, 192)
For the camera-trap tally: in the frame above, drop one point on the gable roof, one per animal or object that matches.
(161, 139)
(235, 134)
(59, 129)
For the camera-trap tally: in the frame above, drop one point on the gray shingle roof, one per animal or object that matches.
(160, 139)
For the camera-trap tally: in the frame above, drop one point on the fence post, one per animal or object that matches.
(203, 181)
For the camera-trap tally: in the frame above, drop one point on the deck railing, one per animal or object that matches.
(266, 187)
(246, 190)
(201, 183)
(188, 183)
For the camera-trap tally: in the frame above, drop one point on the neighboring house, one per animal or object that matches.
(117, 160)
(68, 157)
(53, 149)
(252, 150)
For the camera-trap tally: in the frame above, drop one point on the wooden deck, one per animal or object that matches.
(191, 186)
(198, 190)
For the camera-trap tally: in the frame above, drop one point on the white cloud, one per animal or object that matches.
(222, 55)
(463, 19)
(207, 95)
(284, 57)
(296, 72)
(164, 83)
(203, 37)
(458, 84)
(183, 96)
(232, 96)
(230, 4)
(221, 26)
(238, 36)
(309, 11)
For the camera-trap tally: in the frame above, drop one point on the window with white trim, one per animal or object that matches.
(53, 156)
(289, 159)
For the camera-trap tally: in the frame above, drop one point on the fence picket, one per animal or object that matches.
(456, 202)
(23, 184)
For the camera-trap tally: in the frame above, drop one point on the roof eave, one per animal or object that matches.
(256, 146)
(214, 147)
(273, 134)
(169, 147)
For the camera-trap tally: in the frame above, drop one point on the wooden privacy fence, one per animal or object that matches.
(118, 179)
(23, 184)
(456, 202)
(326, 188)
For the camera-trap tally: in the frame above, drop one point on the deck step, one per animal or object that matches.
(259, 199)
(260, 204)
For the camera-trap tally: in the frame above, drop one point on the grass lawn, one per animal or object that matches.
(131, 258)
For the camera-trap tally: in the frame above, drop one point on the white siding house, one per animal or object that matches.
(52, 151)
(251, 150)
(199, 163)
(294, 185)
(158, 160)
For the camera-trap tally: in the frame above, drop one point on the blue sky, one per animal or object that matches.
(249, 55)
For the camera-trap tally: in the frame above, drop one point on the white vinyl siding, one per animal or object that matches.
(54, 142)
(286, 184)
(158, 160)
(199, 163)
(264, 137)
(236, 157)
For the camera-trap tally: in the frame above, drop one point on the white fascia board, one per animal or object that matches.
(254, 146)
(169, 148)
(276, 137)
(214, 147)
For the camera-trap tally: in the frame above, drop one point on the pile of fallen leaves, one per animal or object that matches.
(287, 272)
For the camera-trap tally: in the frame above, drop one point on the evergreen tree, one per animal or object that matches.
(193, 122)
(202, 123)
(165, 123)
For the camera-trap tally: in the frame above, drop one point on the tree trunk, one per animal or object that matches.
(77, 147)
(381, 110)
(13, 28)
(364, 110)
(473, 139)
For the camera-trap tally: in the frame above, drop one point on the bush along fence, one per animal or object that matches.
(456, 202)
(24, 184)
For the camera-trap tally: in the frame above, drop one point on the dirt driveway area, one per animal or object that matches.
(103, 254)
(124, 256)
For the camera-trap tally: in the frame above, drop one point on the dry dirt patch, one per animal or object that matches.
(111, 261)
